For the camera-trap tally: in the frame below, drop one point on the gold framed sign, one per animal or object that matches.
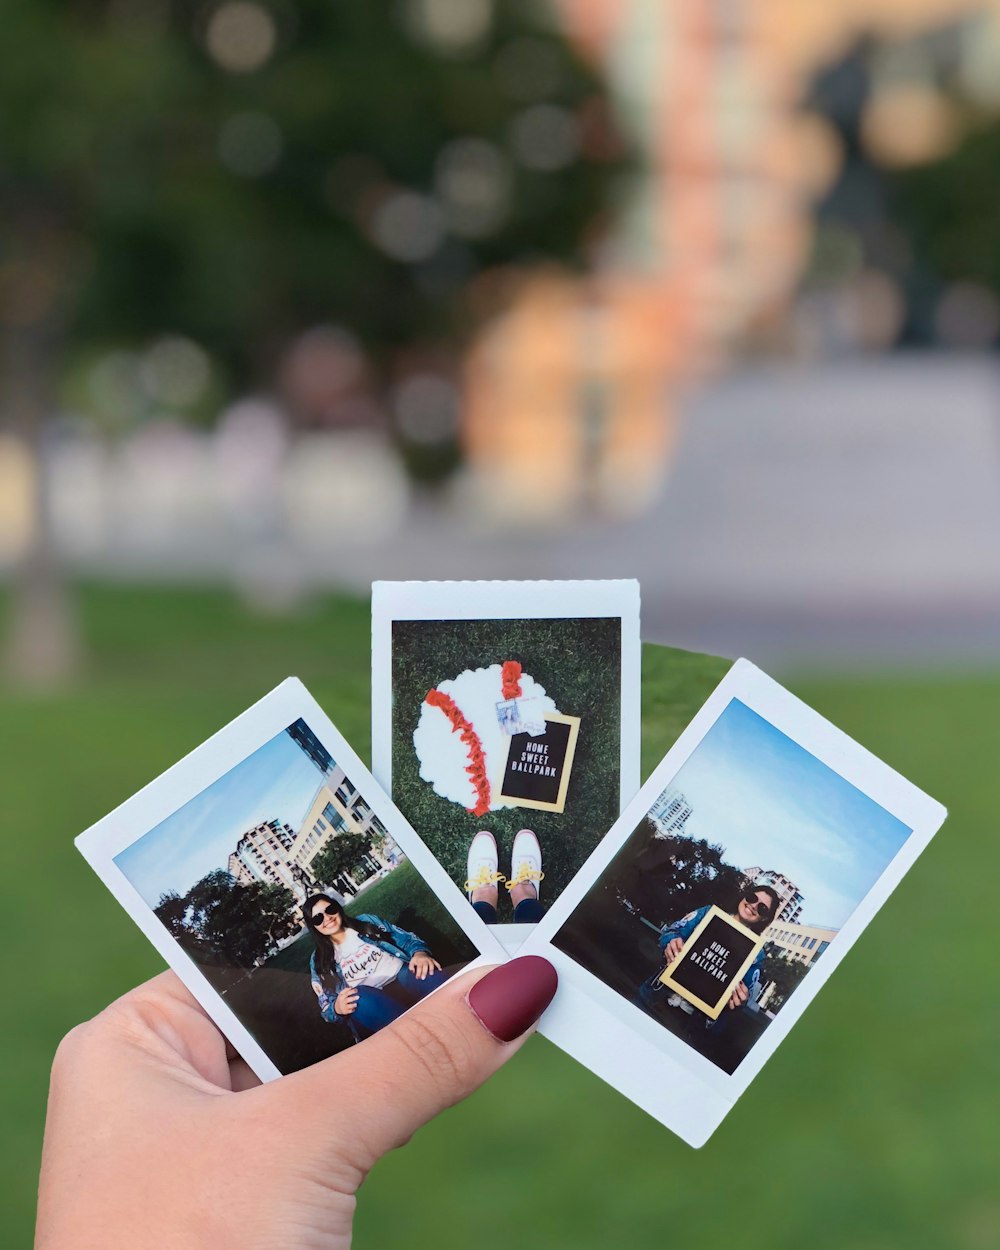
(713, 959)
(537, 769)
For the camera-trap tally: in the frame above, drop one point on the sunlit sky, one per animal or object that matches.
(278, 782)
(771, 804)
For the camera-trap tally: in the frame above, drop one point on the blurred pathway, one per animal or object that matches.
(841, 514)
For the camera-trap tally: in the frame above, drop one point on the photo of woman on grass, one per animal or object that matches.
(365, 972)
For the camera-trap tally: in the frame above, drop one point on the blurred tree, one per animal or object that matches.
(230, 174)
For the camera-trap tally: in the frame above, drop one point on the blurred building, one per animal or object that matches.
(790, 896)
(571, 394)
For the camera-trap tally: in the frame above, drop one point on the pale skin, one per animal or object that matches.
(158, 1135)
(332, 927)
(746, 913)
(490, 893)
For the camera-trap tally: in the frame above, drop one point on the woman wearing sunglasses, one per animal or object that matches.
(365, 971)
(755, 910)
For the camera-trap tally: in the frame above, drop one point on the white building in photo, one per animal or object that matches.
(670, 813)
(790, 896)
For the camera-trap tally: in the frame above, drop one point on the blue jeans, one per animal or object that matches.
(528, 911)
(377, 1008)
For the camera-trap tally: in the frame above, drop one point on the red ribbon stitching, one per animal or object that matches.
(510, 679)
(476, 767)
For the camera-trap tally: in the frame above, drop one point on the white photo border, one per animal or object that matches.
(509, 600)
(620, 1042)
(190, 776)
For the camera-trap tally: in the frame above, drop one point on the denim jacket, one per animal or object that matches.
(683, 929)
(397, 942)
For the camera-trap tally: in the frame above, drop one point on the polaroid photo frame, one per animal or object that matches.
(773, 781)
(465, 673)
(208, 785)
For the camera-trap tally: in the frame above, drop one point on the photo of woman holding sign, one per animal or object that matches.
(755, 911)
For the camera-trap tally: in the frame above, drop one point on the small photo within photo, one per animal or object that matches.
(732, 887)
(285, 888)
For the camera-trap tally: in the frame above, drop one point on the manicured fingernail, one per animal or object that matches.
(509, 999)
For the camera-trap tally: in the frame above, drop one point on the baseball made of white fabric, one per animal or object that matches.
(459, 741)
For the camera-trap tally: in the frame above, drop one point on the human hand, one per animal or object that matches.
(346, 1002)
(159, 1135)
(672, 949)
(739, 996)
(422, 965)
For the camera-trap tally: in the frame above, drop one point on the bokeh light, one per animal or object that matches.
(447, 26)
(175, 372)
(473, 182)
(426, 408)
(545, 137)
(241, 36)
(407, 226)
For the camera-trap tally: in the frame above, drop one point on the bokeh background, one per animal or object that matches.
(298, 293)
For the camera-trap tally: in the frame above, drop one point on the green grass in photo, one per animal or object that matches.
(578, 662)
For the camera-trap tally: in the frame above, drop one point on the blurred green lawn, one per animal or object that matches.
(874, 1127)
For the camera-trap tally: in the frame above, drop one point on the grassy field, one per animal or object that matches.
(873, 1128)
(579, 667)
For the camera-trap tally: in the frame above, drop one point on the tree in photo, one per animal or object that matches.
(784, 974)
(343, 857)
(671, 876)
(230, 922)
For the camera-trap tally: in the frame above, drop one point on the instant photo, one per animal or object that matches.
(726, 894)
(293, 888)
(507, 706)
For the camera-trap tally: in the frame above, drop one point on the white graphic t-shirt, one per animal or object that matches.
(363, 963)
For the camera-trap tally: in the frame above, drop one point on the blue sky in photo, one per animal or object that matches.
(278, 782)
(771, 804)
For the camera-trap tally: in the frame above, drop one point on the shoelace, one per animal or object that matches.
(524, 873)
(485, 876)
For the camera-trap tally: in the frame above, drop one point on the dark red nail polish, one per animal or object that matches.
(508, 1000)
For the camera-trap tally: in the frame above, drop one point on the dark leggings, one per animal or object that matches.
(528, 911)
(377, 1008)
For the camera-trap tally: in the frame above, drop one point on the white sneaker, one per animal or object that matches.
(526, 861)
(483, 863)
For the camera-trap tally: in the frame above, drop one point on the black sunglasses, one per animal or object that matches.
(763, 909)
(317, 918)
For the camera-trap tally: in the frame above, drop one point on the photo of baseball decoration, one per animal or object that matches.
(505, 722)
(716, 956)
(727, 892)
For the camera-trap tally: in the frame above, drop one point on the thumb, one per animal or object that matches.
(430, 1058)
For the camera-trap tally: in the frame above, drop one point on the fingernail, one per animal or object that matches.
(509, 999)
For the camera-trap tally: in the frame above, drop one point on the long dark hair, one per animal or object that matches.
(762, 922)
(326, 964)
